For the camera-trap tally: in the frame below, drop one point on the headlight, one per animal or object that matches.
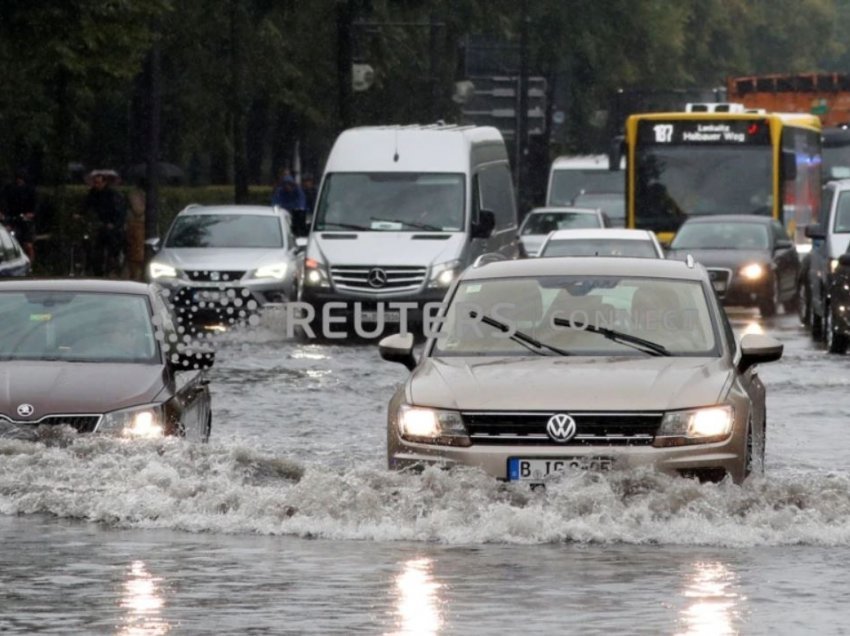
(139, 422)
(160, 270)
(697, 426)
(443, 275)
(276, 271)
(432, 426)
(315, 274)
(833, 264)
(753, 271)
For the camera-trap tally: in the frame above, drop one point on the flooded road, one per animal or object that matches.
(288, 522)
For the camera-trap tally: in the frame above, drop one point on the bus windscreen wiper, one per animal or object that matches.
(418, 226)
(647, 346)
(532, 344)
(346, 226)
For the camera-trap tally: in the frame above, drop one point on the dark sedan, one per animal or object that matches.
(99, 356)
(750, 259)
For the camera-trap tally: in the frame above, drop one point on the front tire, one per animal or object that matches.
(836, 342)
(804, 305)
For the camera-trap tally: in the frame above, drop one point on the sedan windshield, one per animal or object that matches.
(600, 247)
(392, 201)
(225, 230)
(76, 327)
(545, 222)
(578, 315)
(722, 236)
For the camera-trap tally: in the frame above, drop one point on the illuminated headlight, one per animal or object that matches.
(160, 270)
(276, 271)
(697, 426)
(443, 275)
(753, 271)
(431, 425)
(139, 422)
(833, 264)
(315, 274)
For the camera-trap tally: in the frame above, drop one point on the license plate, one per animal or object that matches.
(538, 469)
(372, 316)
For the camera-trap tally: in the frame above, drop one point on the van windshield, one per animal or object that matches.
(392, 202)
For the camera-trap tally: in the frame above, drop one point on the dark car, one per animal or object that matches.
(750, 259)
(99, 356)
(836, 323)
(13, 261)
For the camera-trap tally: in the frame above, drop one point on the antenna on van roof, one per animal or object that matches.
(395, 156)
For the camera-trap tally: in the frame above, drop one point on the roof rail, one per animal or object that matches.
(486, 259)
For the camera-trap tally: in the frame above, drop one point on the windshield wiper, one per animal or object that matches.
(347, 226)
(532, 344)
(647, 346)
(419, 226)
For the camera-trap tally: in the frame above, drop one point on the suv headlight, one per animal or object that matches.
(443, 274)
(315, 274)
(697, 426)
(431, 426)
(276, 271)
(161, 270)
(138, 422)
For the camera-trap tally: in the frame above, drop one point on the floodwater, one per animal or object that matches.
(287, 521)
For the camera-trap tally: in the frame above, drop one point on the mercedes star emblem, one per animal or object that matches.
(25, 410)
(377, 277)
(561, 428)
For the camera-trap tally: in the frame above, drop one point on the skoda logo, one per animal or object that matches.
(25, 410)
(561, 428)
(377, 277)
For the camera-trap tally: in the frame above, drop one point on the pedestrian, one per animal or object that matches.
(18, 207)
(288, 194)
(135, 234)
(106, 209)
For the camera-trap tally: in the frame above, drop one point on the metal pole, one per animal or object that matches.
(521, 141)
(152, 168)
(434, 61)
(344, 61)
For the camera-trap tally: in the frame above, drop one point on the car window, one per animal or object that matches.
(225, 230)
(600, 247)
(673, 313)
(779, 233)
(720, 235)
(496, 193)
(545, 222)
(7, 246)
(842, 214)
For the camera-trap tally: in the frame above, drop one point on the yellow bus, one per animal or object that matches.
(703, 161)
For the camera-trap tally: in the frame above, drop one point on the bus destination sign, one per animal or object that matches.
(704, 132)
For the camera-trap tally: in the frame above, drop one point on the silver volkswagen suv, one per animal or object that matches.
(545, 364)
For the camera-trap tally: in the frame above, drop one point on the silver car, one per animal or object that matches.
(225, 261)
(544, 364)
(540, 222)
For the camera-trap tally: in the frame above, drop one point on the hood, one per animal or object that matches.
(220, 258)
(838, 244)
(577, 384)
(732, 259)
(532, 243)
(60, 388)
(386, 248)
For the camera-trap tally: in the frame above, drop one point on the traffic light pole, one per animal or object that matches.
(521, 140)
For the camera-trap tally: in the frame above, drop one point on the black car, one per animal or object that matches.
(836, 324)
(750, 259)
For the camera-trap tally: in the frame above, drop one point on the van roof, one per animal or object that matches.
(581, 162)
(415, 148)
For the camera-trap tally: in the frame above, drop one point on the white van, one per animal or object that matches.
(402, 210)
(573, 175)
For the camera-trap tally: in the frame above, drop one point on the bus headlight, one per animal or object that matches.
(753, 271)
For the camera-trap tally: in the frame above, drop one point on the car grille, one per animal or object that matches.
(592, 428)
(362, 278)
(214, 276)
(82, 423)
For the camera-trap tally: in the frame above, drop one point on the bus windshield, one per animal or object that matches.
(674, 182)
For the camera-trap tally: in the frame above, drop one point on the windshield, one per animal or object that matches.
(671, 313)
(600, 247)
(842, 214)
(545, 222)
(674, 182)
(611, 203)
(836, 162)
(76, 327)
(568, 183)
(225, 230)
(722, 236)
(392, 201)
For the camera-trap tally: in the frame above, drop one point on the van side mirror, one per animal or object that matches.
(814, 231)
(300, 244)
(789, 165)
(844, 260)
(756, 349)
(398, 348)
(483, 227)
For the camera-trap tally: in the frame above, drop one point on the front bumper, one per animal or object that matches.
(217, 297)
(417, 303)
(741, 292)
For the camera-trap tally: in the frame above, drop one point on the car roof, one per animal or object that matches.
(840, 184)
(256, 210)
(558, 208)
(81, 285)
(731, 218)
(587, 266)
(600, 233)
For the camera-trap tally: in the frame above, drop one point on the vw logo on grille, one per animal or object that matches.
(377, 277)
(25, 410)
(561, 428)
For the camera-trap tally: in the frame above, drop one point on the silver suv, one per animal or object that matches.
(544, 364)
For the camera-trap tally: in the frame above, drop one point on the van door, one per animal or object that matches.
(496, 194)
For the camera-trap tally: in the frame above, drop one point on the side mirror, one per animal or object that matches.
(189, 360)
(483, 228)
(757, 348)
(300, 244)
(398, 348)
(814, 231)
(154, 244)
(844, 260)
(789, 165)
